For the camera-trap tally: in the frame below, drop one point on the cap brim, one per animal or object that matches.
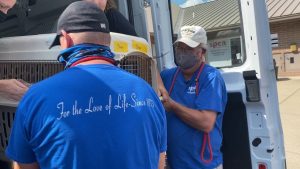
(55, 42)
(188, 42)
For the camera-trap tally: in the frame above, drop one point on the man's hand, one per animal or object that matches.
(166, 99)
(168, 103)
(162, 91)
(160, 84)
(13, 89)
(164, 94)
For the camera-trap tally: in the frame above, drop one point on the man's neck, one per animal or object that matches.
(188, 73)
(96, 61)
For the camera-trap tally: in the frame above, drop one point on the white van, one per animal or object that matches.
(239, 45)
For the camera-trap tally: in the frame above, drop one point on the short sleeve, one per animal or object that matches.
(19, 148)
(212, 94)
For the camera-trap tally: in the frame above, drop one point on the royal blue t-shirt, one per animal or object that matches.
(184, 141)
(89, 117)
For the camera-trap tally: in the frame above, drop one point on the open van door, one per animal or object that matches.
(239, 45)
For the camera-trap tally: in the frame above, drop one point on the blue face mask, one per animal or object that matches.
(186, 59)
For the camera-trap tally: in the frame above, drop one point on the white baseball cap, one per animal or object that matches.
(192, 36)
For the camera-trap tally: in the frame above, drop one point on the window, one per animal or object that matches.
(224, 48)
(221, 20)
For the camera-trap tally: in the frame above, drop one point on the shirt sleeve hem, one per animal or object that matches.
(14, 158)
(209, 109)
(163, 149)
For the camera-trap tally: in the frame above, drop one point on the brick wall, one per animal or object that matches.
(288, 32)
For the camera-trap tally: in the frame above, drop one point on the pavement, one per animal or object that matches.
(289, 104)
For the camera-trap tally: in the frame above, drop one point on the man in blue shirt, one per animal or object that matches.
(196, 105)
(93, 115)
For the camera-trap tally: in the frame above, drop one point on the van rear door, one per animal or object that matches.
(240, 46)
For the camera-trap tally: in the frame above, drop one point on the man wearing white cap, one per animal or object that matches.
(196, 105)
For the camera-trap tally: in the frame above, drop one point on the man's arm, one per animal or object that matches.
(17, 165)
(162, 160)
(161, 88)
(13, 89)
(203, 120)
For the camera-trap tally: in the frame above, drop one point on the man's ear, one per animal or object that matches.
(203, 55)
(204, 51)
(65, 40)
(200, 54)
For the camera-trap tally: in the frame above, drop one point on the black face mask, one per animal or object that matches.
(186, 59)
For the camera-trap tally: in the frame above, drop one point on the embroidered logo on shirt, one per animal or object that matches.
(191, 90)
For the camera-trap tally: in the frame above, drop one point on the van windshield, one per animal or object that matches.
(221, 20)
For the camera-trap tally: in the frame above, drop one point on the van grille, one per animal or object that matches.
(29, 71)
(34, 71)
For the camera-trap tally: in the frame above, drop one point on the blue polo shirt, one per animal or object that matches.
(89, 117)
(184, 141)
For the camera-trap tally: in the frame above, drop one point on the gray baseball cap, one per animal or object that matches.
(81, 16)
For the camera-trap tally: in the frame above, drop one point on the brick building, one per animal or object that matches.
(287, 54)
(223, 17)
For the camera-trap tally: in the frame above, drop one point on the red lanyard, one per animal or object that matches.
(206, 137)
(196, 80)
